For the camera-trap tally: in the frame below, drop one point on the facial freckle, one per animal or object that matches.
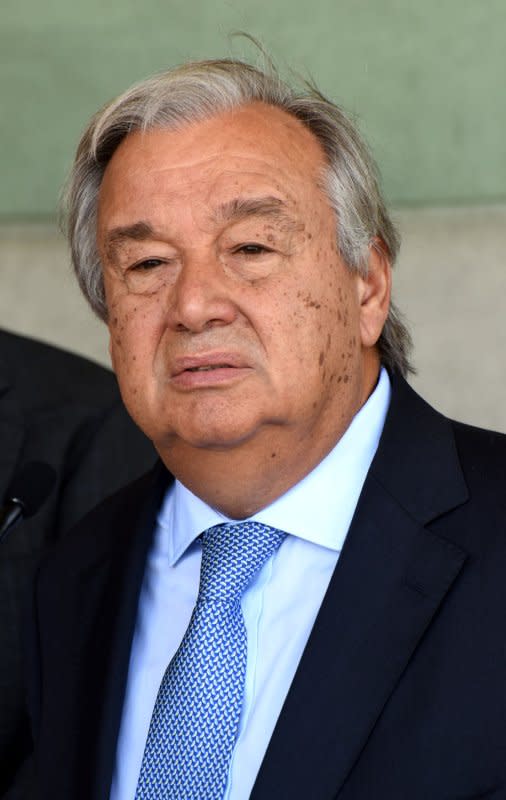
(310, 303)
(346, 378)
(310, 236)
(273, 455)
(339, 317)
(328, 342)
(320, 360)
(115, 321)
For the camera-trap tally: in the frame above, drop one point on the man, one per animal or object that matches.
(66, 411)
(344, 638)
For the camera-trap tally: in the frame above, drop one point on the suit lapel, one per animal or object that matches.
(392, 576)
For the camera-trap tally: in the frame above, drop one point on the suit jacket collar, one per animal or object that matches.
(418, 441)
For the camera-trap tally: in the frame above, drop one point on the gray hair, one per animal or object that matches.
(199, 90)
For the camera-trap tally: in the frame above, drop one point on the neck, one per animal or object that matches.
(241, 481)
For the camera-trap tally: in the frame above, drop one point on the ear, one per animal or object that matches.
(374, 293)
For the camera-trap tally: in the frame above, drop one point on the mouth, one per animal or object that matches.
(208, 370)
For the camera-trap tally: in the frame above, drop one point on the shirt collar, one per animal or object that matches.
(319, 508)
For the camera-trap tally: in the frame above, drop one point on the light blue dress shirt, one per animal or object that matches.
(279, 607)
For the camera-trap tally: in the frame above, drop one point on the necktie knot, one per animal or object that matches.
(232, 554)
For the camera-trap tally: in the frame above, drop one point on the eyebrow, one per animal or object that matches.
(232, 211)
(269, 206)
(116, 237)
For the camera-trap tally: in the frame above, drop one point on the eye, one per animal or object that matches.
(252, 249)
(147, 264)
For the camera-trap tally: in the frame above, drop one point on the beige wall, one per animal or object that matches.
(450, 282)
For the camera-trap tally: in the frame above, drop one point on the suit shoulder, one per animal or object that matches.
(60, 376)
(482, 454)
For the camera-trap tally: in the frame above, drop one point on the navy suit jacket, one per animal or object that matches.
(401, 690)
(65, 410)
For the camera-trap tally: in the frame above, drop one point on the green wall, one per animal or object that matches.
(425, 79)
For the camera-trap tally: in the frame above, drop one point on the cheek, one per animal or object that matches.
(133, 337)
(340, 351)
(328, 336)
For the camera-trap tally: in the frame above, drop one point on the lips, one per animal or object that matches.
(208, 369)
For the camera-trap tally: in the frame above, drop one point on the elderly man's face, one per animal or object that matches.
(233, 320)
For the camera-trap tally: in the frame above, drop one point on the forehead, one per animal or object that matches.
(255, 147)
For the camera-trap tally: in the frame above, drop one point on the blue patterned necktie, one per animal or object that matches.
(196, 715)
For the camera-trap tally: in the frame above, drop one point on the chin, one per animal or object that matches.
(221, 432)
(217, 439)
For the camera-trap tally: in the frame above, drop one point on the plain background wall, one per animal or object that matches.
(426, 82)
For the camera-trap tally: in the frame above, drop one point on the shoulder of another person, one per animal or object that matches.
(59, 376)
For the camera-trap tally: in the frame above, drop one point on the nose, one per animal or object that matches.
(201, 296)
